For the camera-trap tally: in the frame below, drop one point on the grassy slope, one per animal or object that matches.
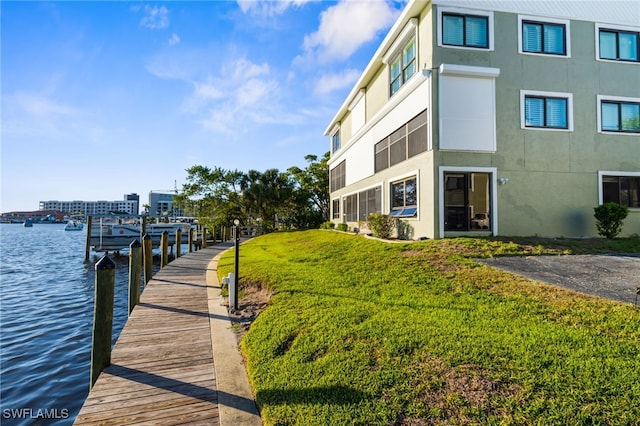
(366, 332)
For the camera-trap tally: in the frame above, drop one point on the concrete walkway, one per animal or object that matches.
(176, 360)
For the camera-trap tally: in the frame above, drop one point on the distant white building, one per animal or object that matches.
(161, 203)
(129, 205)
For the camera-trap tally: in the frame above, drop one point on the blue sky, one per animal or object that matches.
(102, 99)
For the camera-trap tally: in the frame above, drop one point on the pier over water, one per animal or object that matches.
(162, 366)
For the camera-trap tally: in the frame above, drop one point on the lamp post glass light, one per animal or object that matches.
(236, 233)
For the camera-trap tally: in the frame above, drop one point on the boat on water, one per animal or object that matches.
(28, 223)
(74, 225)
(106, 236)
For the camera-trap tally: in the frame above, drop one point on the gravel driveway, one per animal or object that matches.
(615, 277)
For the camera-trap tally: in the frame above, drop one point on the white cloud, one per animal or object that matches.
(347, 26)
(330, 82)
(35, 115)
(174, 39)
(268, 8)
(155, 17)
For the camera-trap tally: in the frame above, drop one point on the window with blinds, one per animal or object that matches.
(546, 110)
(465, 30)
(544, 37)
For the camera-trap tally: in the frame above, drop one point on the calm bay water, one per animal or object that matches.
(46, 320)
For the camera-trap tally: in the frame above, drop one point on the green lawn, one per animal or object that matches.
(363, 332)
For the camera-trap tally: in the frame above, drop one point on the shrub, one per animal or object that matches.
(342, 227)
(382, 225)
(327, 225)
(609, 218)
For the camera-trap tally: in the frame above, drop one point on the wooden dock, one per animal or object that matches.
(162, 368)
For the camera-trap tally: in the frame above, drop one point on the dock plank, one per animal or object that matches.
(162, 368)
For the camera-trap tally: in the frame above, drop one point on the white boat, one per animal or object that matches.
(74, 225)
(107, 236)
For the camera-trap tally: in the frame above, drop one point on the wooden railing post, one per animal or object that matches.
(147, 251)
(190, 239)
(164, 244)
(135, 257)
(87, 248)
(178, 242)
(102, 316)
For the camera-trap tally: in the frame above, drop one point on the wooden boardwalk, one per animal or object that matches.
(162, 366)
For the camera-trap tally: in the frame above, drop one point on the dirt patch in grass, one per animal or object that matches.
(451, 390)
(254, 299)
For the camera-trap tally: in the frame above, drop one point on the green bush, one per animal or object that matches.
(609, 218)
(381, 225)
(327, 225)
(342, 227)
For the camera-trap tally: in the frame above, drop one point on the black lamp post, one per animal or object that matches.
(234, 305)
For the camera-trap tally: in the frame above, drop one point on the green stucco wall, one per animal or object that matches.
(552, 176)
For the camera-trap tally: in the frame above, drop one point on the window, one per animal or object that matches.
(619, 115)
(467, 200)
(546, 110)
(337, 177)
(382, 155)
(404, 198)
(618, 44)
(398, 146)
(465, 30)
(403, 66)
(335, 141)
(351, 208)
(544, 37)
(624, 190)
(335, 204)
(417, 135)
(370, 201)
(406, 142)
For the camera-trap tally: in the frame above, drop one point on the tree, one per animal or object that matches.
(216, 192)
(312, 189)
(295, 199)
(266, 196)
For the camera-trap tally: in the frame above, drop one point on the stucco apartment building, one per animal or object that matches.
(479, 117)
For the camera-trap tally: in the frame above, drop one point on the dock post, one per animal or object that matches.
(147, 253)
(190, 240)
(87, 247)
(204, 237)
(164, 243)
(102, 316)
(144, 225)
(178, 242)
(135, 256)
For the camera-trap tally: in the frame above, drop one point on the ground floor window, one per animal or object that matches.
(404, 198)
(351, 208)
(467, 201)
(335, 205)
(370, 201)
(623, 190)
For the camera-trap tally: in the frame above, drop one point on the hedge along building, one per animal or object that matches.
(494, 117)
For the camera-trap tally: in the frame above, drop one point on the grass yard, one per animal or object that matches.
(363, 332)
